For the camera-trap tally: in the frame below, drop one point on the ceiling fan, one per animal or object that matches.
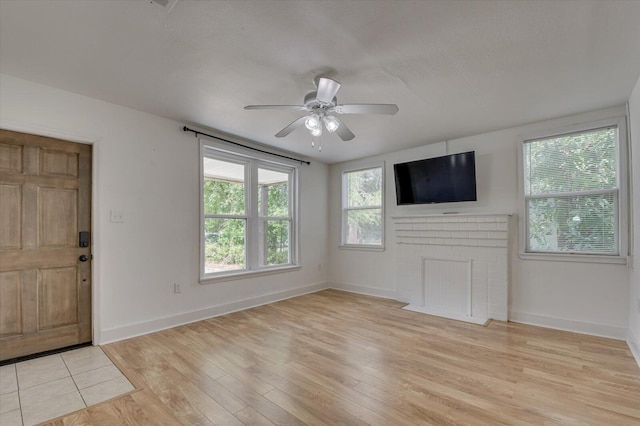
(322, 104)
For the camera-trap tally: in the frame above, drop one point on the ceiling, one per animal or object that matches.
(454, 68)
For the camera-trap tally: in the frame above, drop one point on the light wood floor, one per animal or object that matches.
(339, 358)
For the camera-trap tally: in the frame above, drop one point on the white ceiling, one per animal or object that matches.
(454, 68)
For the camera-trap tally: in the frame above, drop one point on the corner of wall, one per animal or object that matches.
(633, 112)
(634, 346)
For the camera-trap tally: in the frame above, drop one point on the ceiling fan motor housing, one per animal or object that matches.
(312, 103)
(322, 104)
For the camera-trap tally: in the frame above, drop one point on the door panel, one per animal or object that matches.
(10, 303)
(58, 217)
(10, 223)
(56, 163)
(45, 291)
(10, 158)
(57, 297)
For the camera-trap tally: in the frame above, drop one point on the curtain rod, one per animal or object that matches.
(186, 129)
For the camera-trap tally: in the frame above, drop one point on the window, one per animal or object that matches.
(362, 207)
(248, 214)
(573, 198)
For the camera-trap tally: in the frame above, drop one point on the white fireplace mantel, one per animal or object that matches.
(453, 265)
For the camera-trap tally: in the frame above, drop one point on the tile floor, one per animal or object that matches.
(44, 388)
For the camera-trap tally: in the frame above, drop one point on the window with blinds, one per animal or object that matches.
(571, 192)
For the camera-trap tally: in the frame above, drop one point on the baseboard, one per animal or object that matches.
(634, 345)
(145, 327)
(369, 291)
(601, 330)
(450, 315)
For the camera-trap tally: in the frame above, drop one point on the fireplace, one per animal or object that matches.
(454, 266)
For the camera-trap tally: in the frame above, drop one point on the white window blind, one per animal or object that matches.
(571, 189)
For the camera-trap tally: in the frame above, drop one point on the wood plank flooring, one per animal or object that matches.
(338, 358)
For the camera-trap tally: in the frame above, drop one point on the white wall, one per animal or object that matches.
(634, 279)
(585, 297)
(147, 168)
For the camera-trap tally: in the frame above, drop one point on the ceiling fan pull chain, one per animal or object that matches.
(313, 142)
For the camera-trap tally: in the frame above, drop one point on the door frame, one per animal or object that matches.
(94, 141)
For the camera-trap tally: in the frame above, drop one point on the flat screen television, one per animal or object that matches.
(447, 179)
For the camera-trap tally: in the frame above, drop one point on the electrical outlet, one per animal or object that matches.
(117, 217)
(177, 288)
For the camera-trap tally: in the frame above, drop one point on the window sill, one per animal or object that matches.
(231, 276)
(360, 247)
(588, 258)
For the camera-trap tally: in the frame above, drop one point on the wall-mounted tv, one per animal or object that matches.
(447, 179)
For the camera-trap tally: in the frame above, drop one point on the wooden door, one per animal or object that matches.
(45, 201)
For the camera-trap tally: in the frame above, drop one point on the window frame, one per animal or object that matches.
(253, 162)
(345, 209)
(621, 195)
(259, 219)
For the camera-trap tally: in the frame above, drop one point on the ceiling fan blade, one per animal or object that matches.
(291, 127)
(296, 107)
(327, 90)
(388, 109)
(343, 131)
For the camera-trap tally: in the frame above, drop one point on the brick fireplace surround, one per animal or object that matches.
(454, 265)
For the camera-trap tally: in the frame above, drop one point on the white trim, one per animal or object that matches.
(448, 315)
(634, 346)
(343, 213)
(50, 132)
(613, 191)
(360, 247)
(632, 194)
(583, 327)
(292, 172)
(271, 153)
(245, 273)
(452, 215)
(95, 247)
(158, 324)
(201, 237)
(568, 257)
(367, 291)
(574, 128)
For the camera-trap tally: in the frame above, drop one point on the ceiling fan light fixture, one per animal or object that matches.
(331, 123)
(319, 105)
(313, 123)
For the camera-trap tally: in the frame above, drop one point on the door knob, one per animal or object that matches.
(83, 258)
